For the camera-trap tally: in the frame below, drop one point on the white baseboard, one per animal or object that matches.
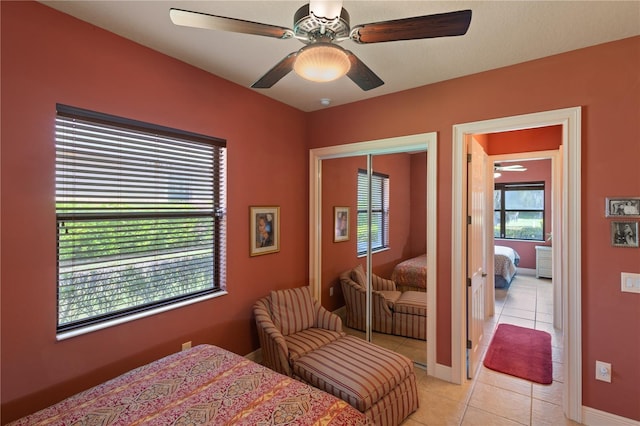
(443, 372)
(526, 271)
(593, 417)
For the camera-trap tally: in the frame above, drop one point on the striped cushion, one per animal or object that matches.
(396, 405)
(292, 309)
(358, 275)
(308, 340)
(412, 302)
(408, 325)
(354, 370)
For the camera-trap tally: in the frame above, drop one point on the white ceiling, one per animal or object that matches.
(501, 33)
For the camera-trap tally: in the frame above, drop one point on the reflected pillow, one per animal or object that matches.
(358, 275)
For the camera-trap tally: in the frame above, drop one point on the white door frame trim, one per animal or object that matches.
(411, 143)
(570, 120)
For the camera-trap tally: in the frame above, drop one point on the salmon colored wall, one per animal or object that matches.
(49, 57)
(604, 80)
(339, 188)
(538, 170)
(539, 139)
(268, 165)
(418, 204)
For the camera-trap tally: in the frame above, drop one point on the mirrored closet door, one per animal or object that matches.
(374, 216)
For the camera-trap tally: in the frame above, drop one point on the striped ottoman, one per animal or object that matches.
(410, 315)
(378, 382)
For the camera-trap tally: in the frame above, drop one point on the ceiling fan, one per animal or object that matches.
(321, 25)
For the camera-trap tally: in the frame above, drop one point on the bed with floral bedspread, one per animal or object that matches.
(505, 261)
(411, 274)
(203, 385)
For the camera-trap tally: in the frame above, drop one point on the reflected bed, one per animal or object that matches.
(411, 274)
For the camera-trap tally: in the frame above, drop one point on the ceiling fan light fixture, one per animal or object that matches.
(321, 62)
(328, 10)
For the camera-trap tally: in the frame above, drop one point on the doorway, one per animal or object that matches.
(404, 144)
(567, 262)
(551, 177)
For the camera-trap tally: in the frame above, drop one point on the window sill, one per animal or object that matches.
(95, 327)
(373, 252)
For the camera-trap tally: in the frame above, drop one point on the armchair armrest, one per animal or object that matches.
(382, 284)
(326, 319)
(275, 353)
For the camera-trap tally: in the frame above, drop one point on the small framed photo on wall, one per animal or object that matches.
(340, 224)
(623, 207)
(264, 226)
(624, 234)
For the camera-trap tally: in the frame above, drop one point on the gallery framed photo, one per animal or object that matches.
(264, 226)
(624, 234)
(623, 207)
(340, 224)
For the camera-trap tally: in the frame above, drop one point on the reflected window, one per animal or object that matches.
(379, 211)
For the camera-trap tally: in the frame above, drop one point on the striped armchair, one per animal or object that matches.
(383, 298)
(291, 323)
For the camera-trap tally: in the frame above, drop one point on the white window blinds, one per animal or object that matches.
(140, 216)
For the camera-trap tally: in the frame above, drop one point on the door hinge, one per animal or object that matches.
(468, 158)
(468, 220)
(468, 344)
(468, 282)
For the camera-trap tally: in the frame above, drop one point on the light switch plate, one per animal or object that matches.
(630, 282)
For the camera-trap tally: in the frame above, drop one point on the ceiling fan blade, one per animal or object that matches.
(212, 22)
(361, 74)
(428, 26)
(276, 73)
(514, 167)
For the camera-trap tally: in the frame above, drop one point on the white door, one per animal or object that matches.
(476, 237)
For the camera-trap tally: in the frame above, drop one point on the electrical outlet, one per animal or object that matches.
(603, 371)
(186, 345)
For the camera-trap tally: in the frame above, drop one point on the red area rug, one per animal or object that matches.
(521, 352)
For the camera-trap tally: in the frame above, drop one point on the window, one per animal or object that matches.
(519, 211)
(379, 211)
(140, 217)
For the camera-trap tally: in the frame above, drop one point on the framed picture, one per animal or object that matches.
(264, 225)
(624, 234)
(340, 224)
(623, 207)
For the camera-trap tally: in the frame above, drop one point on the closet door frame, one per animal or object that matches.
(403, 144)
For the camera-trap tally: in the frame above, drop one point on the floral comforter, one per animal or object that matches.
(505, 261)
(205, 385)
(411, 272)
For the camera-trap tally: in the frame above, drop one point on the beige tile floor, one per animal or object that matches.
(492, 398)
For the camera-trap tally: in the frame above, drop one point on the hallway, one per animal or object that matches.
(494, 398)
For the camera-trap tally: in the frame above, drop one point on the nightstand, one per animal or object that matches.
(544, 262)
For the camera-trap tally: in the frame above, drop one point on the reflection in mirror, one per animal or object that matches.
(398, 233)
